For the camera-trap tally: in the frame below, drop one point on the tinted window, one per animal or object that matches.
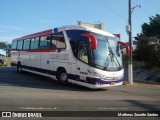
(20, 45)
(82, 51)
(34, 43)
(53, 43)
(44, 43)
(14, 45)
(26, 44)
(74, 36)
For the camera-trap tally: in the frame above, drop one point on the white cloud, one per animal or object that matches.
(8, 39)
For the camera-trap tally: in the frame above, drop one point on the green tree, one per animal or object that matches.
(6, 47)
(148, 49)
(3, 45)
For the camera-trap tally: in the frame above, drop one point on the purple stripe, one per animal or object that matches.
(92, 81)
(88, 80)
(100, 81)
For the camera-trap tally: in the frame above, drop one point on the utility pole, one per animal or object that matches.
(129, 31)
(130, 67)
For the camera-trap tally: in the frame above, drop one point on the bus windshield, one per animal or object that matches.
(107, 55)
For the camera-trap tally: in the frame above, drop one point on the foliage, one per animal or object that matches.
(5, 45)
(148, 49)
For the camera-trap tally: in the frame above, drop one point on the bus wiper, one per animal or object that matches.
(113, 55)
(117, 62)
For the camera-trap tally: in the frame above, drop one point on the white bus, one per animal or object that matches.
(76, 54)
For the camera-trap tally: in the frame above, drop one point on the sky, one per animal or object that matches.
(22, 17)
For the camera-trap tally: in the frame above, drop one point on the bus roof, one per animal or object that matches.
(46, 32)
(69, 27)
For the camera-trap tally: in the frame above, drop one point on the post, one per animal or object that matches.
(130, 68)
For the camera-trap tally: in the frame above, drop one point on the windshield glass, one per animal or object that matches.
(107, 55)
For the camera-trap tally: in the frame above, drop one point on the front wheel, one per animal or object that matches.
(62, 77)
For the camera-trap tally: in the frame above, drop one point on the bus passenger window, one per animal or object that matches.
(58, 41)
(53, 44)
(44, 43)
(82, 51)
(34, 43)
(14, 45)
(20, 45)
(26, 44)
(61, 43)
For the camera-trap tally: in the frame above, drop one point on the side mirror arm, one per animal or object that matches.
(127, 47)
(92, 38)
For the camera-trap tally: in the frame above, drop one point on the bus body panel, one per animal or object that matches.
(47, 62)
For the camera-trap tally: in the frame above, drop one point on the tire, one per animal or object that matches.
(62, 77)
(19, 68)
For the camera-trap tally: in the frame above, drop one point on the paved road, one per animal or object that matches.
(21, 92)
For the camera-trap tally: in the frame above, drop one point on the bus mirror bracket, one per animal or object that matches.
(127, 47)
(92, 38)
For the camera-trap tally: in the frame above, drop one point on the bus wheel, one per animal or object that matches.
(62, 76)
(19, 68)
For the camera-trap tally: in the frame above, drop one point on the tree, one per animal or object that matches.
(6, 47)
(148, 48)
(3, 45)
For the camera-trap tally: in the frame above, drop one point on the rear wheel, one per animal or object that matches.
(62, 76)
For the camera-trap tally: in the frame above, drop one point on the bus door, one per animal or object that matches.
(44, 47)
(83, 60)
(59, 57)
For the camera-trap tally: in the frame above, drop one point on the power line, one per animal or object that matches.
(111, 9)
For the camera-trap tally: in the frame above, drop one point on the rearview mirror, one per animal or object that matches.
(127, 47)
(92, 38)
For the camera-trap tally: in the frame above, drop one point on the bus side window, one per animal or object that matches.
(53, 44)
(58, 43)
(26, 44)
(14, 45)
(20, 45)
(44, 43)
(82, 51)
(34, 43)
(74, 36)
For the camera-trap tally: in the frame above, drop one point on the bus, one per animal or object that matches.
(71, 54)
